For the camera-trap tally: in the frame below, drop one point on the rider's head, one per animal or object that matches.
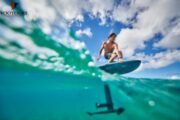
(112, 37)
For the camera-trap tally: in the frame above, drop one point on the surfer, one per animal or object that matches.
(111, 50)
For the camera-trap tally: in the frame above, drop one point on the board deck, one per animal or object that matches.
(121, 68)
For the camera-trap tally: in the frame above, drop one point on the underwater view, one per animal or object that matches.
(47, 73)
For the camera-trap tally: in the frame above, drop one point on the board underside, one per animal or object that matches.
(121, 68)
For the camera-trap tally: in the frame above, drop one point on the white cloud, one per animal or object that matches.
(174, 77)
(127, 9)
(131, 39)
(74, 9)
(59, 13)
(71, 9)
(80, 18)
(101, 8)
(158, 60)
(154, 19)
(38, 9)
(123, 13)
(86, 31)
(171, 40)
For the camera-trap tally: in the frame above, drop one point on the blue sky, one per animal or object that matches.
(100, 33)
(157, 49)
(148, 30)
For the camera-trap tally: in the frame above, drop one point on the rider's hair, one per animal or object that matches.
(112, 34)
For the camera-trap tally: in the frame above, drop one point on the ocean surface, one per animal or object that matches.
(49, 77)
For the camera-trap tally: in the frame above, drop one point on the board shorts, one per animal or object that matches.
(108, 55)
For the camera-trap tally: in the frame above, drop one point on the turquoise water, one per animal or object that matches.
(47, 79)
(35, 95)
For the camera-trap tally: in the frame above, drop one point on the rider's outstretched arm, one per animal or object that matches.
(100, 51)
